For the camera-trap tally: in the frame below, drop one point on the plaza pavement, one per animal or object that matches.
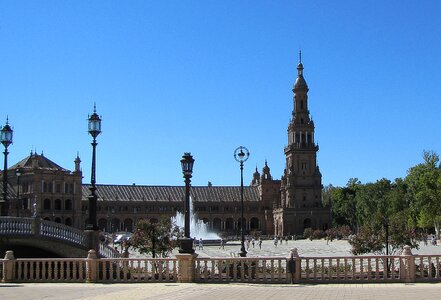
(183, 291)
(304, 247)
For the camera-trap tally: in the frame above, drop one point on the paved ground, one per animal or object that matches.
(160, 291)
(305, 248)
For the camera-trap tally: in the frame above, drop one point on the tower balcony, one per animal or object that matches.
(301, 146)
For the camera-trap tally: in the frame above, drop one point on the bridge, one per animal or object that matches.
(33, 237)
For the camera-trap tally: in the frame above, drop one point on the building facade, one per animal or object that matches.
(272, 207)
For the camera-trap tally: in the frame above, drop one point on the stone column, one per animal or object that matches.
(92, 267)
(92, 240)
(407, 265)
(8, 267)
(186, 267)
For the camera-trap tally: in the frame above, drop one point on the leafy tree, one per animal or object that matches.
(384, 236)
(342, 202)
(424, 185)
(152, 238)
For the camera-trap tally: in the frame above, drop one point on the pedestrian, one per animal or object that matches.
(260, 244)
(222, 244)
(253, 241)
(275, 241)
(248, 243)
(286, 240)
(201, 244)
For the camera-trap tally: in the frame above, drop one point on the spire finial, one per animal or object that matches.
(300, 56)
(94, 106)
(7, 119)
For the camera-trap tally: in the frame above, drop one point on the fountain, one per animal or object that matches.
(198, 229)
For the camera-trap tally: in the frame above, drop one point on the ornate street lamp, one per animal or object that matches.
(19, 206)
(187, 162)
(241, 154)
(94, 130)
(6, 139)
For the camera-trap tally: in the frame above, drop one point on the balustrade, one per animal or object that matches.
(392, 268)
(241, 269)
(137, 270)
(50, 270)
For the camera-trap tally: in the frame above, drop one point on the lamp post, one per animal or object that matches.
(19, 206)
(187, 162)
(6, 139)
(94, 130)
(241, 154)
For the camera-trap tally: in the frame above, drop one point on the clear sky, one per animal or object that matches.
(170, 77)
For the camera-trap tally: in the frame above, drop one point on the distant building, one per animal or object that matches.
(272, 207)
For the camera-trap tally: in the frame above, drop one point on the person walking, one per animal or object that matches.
(201, 244)
(260, 243)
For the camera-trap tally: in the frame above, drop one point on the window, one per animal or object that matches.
(57, 204)
(47, 204)
(58, 188)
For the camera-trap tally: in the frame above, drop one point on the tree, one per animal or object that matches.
(342, 202)
(384, 236)
(383, 213)
(424, 185)
(152, 238)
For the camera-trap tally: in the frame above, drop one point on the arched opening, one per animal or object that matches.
(254, 224)
(68, 204)
(47, 204)
(115, 225)
(239, 225)
(57, 204)
(68, 222)
(229, 225)
(217, 224)
(57, 220)
(128, 225)
(102, 224)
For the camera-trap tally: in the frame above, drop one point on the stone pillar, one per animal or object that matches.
(92, 266)
(407, 265)
(36, 226)
(186, 267)
(92, 240)
(293, 267)
(8, 267)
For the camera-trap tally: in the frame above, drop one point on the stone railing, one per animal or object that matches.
(16, 226)
(188, 268)
(62, 232)
(12, 226)
(107, 251)
(241, 269)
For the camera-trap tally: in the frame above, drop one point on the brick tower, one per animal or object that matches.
(301, 187)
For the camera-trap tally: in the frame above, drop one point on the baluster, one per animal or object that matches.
(19, 271)
(32, 270)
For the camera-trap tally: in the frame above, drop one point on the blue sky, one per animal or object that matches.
(208, 76)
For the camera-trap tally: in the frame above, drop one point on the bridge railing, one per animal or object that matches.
(16, 226)
(62, 232)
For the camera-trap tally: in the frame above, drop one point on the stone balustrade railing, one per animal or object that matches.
(12, 226)
(188, 268)
(16, 226)
(62, 232)
(241, 269)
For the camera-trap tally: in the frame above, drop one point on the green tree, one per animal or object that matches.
(424, 185)
(342, 202)
(156, 238)
(383, 213)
